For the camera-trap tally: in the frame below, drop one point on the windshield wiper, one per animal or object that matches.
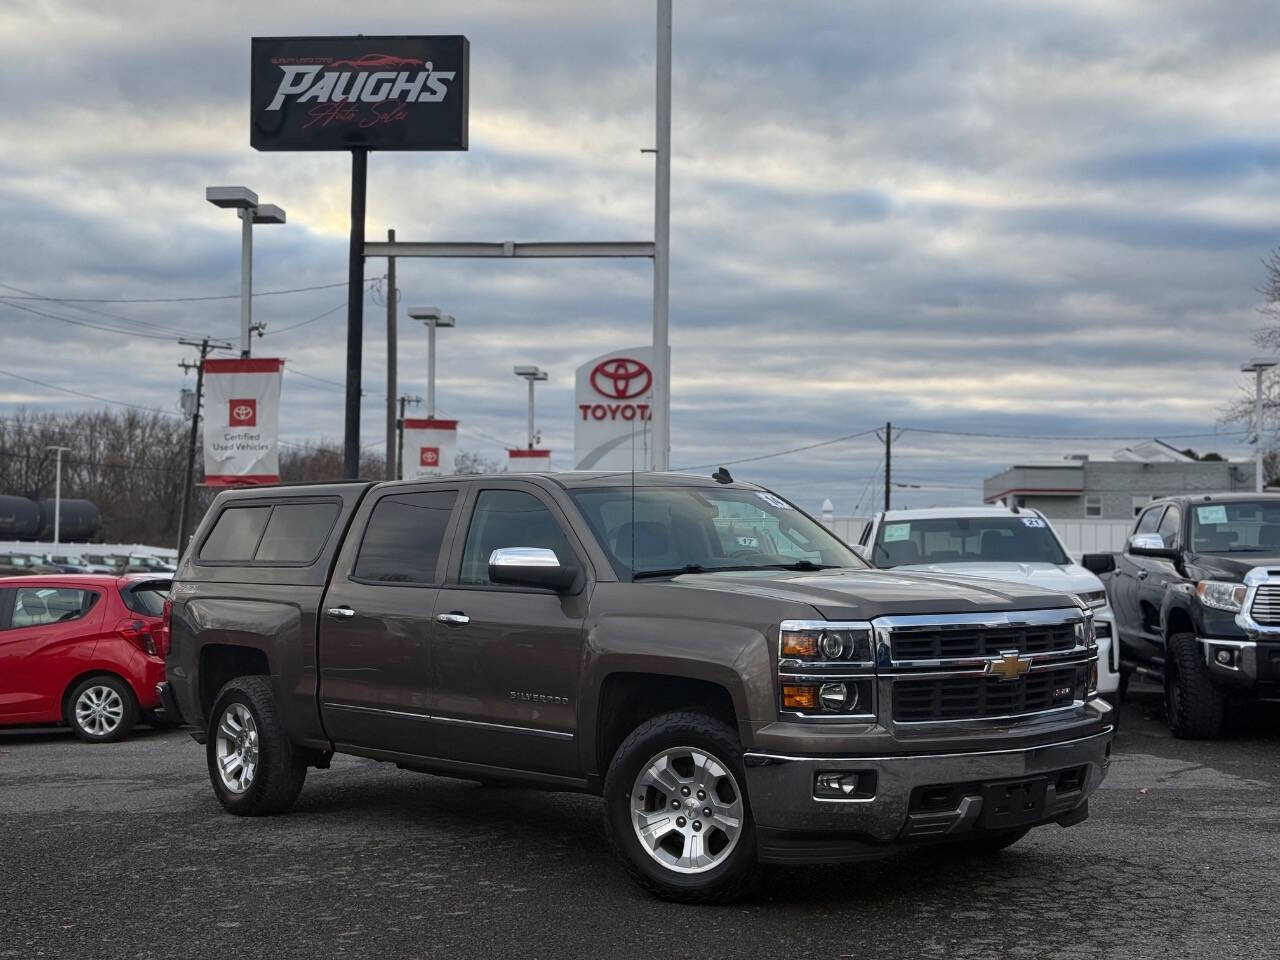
(800, 565)
(687, 568)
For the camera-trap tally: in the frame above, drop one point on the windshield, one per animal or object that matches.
(1248, 526)
(652, 531)
(1023, 539)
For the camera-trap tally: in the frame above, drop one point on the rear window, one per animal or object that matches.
(402, 542)
(283, 533)
(146, 598)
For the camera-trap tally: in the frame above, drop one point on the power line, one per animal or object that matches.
(85, 323)
(295, 326)
(781, 453)
(90, 396)
(229, 296)
(101, 313)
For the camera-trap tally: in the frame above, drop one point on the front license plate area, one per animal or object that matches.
(1007, 805)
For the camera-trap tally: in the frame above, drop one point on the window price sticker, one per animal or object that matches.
(1217, 514)
(1032, 522)
(773, 501)
(893, 532)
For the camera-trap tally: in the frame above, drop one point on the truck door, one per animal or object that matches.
(375, 625)
(1161, 576)
(1130, 573)
(506, 659)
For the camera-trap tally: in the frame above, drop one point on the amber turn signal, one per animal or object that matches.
(799, 698)
(799, 645)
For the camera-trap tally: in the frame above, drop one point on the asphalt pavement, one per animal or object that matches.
(122, 851)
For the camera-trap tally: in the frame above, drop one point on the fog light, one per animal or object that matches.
(833, 696)
(1225, 657)
(836, 784)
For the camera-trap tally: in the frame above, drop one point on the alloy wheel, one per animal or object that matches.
(687, 810)
(236, 748)
(99, 710)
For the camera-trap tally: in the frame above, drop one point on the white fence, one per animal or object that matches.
(77, 549)
(1078, 536)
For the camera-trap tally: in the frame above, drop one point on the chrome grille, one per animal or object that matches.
(935, 642)
(1266, 605)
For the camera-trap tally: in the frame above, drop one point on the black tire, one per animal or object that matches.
(159, 720)
(101, 709)
(278, 769)
(1123, 689)
(734, 876)
(1194, 704)
(984, 844)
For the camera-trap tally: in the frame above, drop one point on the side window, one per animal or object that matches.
(37, 606)
(1170, 526)
(235, 534)
(402, 541)
(509, 518)
(296, 532)
(1093, 505)
(1149, 521)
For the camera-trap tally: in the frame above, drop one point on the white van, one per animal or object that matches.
(994, 543)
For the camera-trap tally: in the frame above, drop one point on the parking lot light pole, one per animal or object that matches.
(57, 495)
(433, 318)
(245, 202)
(1258, 366)
(533, 375)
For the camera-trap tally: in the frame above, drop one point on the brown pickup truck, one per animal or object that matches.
(734, 681)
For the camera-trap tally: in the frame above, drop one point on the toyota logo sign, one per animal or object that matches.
(243, 413)
(621, 378)
(429, 456)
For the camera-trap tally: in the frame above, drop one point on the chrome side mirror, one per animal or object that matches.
(1150, 545)
(530, 567)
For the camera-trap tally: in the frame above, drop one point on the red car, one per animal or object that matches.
(82, 649)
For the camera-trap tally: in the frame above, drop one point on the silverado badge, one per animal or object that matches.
(1010, 665)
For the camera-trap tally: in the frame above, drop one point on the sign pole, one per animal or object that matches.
(188, 479)
(661, 245)
(355, 314)
(391, 361)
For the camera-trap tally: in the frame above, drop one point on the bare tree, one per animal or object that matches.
(468, 462)
(1266, 340)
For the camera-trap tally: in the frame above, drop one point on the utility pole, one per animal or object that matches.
(355, 315)
(661, 413)
(205, 347)
(399, 464)
(392, 301)
(57, 495)
(888, 463)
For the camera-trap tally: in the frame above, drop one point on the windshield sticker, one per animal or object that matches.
(773, 501)
(1032, 522)
(1211, 514)
(893, 532)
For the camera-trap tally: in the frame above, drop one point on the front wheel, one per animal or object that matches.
(1194, 704)
(677, 812)
(254, 768)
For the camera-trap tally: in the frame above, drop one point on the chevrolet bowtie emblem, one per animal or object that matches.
(1010, 665)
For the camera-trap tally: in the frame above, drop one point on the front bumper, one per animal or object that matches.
(1241, 663)
(796, 826)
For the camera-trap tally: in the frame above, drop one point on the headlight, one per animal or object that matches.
(817, 642)
(1086, 635)
(1094, 599)
(1221, 595)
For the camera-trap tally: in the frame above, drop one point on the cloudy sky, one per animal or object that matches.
(1037, 219)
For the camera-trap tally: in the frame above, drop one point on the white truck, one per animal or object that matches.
(1016, 545)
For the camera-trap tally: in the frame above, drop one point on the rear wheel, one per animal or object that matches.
(676, 809)
(102, 709)
(1194, 704)
(254, 768)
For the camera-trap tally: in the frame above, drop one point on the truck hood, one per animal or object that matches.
(854, 594)
(1065, 578)
(1209, 566)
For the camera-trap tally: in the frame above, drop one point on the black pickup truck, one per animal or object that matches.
(1196, 596)
(734, 681)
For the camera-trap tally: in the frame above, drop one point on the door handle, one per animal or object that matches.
(453, 619)
(341, 612)
(1142, 574)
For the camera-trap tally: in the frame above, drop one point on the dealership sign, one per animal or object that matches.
(343, 93)
(241, 421)
(429, 447)
(525, 460)
(612, 407)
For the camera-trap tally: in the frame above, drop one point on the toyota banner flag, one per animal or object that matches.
(241, 421)
(429, 447)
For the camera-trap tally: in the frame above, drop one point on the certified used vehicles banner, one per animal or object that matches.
(241, 421)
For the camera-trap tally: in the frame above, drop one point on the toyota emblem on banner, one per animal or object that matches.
(621, 378)
(429, 457)
(243, 413)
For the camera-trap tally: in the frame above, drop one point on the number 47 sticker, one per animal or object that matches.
(1032, 522)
